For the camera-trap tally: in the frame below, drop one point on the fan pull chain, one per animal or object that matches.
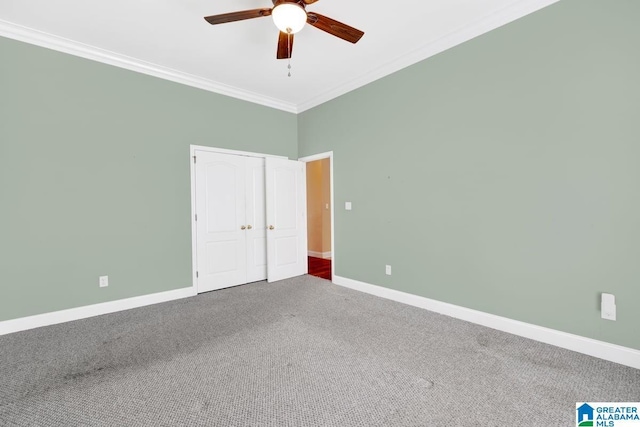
(289, 48)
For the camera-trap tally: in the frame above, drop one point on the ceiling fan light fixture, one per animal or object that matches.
(289, 17)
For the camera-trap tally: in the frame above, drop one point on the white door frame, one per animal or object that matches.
(320, 156)
(192, 153)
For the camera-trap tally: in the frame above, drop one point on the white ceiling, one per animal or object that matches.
(170, 39)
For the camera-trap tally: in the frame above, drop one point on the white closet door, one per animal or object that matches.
(286, 218)
(220, 207)
(256, 220)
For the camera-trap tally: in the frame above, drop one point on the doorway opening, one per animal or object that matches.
(320, 216)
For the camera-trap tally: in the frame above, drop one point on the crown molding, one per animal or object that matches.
(61, 44)
(477, 28)
(484, 25)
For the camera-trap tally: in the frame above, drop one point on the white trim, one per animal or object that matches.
(193, 149)
(61, 44)
(55, 317)
(464, 34)
(324, 255)
(320, 156)
(483, 25)
(603, 350)
(194, 230)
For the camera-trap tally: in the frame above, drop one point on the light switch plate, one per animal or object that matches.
(347, 206)
(104, 281)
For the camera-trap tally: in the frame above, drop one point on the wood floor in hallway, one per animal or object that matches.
(320, 267)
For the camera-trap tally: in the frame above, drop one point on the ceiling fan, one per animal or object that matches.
(290, 17)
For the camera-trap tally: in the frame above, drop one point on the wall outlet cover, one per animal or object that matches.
(608, 307)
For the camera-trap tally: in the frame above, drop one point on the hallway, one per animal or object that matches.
(320, 267)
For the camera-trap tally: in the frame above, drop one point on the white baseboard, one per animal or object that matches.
(603, 350)
(55, 317)
(324, 255)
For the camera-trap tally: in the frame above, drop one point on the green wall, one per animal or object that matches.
(94, 176)
(501, 175)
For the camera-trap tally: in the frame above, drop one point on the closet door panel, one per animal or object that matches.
(220, 207)
(286, 218)
(256, 251)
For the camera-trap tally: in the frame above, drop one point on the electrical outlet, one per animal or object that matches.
(608, 307)
(104, 281)
(387, 270)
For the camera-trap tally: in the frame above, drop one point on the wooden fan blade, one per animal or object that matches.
(285, 45)
(237, 16)
(334, 27)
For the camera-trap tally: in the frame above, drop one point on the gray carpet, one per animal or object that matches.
(301, 352)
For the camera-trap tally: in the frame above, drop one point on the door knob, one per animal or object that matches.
(242, 227)
(249, 227)
(271, 227)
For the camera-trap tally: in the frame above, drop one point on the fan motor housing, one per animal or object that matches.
(298, 2)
